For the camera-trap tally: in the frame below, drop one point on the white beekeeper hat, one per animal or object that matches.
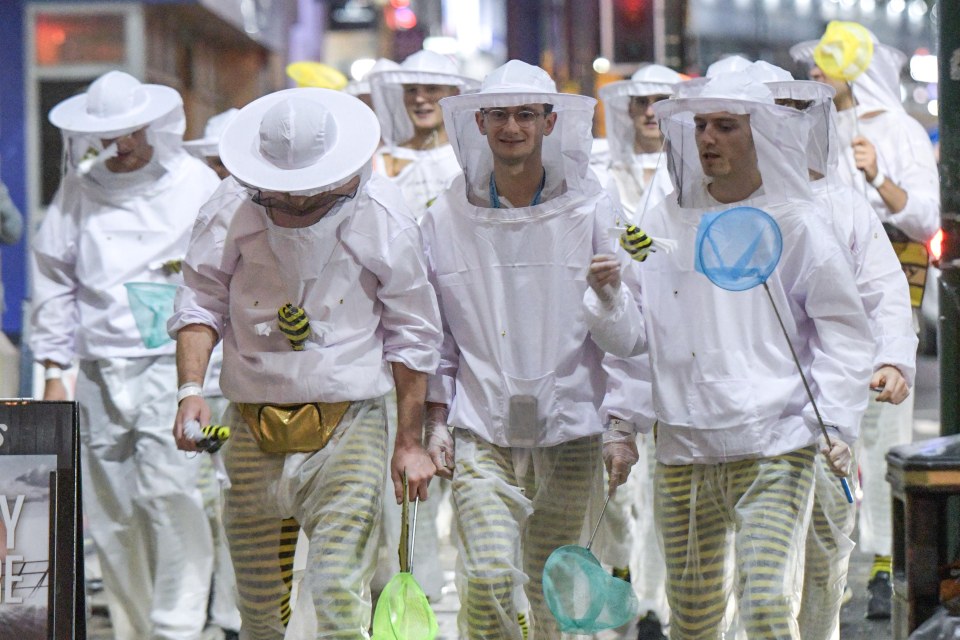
(300, 141)
(362, 86)
(115, 103)
(208, 145)
(386, 89)
(566, 151)
(649, 80)
(780, 136)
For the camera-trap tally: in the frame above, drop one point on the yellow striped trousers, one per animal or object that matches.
(513, 508)
(827, 557)
(334, 494)
(762, 507)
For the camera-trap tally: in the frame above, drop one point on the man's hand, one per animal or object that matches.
(440, 445)
(619, 456)
(604, 277)
(412, 458)
(865, 156)
(889, 378)
(191, 408)
(838, 456)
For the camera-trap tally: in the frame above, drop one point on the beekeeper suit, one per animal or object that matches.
(416, 153)
(507, 248)
(637, 174)
(123, 215)
(311, 272)
(899, 178)
(885, 296)
(736, 434)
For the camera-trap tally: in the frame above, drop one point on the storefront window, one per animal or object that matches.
(80, 39)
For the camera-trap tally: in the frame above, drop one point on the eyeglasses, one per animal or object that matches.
(310, 206)
(499, 117)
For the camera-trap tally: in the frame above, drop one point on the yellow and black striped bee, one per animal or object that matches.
(214, 435)
(294, 324)
(637, 243)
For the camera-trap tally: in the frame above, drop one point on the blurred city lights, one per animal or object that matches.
(896, 7)
(442, 44)
(917, 9)
(923, 67)
(360, 67)
(866, 6)
(933, 107)
(601, 65)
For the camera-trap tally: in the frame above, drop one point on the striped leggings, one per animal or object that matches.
(827, 557)
(513, 508)
(334, 494)
(764, 506)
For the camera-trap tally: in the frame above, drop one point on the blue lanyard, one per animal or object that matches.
(495, 199)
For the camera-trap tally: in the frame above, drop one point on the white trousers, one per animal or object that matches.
(885, 425)
(141, 501)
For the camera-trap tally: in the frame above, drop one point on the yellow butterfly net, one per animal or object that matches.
(844, 51)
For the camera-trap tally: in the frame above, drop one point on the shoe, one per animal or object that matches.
(230, 634)
(880, 594)
(649, 628)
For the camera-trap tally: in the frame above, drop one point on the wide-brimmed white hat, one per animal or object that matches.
(208, 145)
(386, 89)
(299, 140)
(115, 102)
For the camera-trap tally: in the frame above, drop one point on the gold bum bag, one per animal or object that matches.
(293, 428)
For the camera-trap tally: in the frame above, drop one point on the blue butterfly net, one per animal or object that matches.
(739, 248)
(583, 597)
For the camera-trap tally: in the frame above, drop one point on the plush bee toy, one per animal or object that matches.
(294, 324)
(639, 245)
(208, 438)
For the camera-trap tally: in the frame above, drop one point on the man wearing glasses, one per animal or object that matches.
(311, 271)
(513, 407)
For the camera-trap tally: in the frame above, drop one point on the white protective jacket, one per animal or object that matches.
(518, 367)
(358, 273)
(725, 386)
(101, 231)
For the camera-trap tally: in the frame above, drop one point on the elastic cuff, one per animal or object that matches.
(878, 180)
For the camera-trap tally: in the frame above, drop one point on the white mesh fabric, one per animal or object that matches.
(386, 90)
(650, 80)
(566, 151)
(779, 135)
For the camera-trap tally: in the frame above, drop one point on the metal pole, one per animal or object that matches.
(949, 289)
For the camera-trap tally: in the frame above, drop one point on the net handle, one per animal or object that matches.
(806, 386)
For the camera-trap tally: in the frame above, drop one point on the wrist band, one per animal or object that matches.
(188, 389)
(53, 373)
(878, 180)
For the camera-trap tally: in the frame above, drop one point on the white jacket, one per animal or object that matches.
(358, 273)
(724, 384)
(96, 238)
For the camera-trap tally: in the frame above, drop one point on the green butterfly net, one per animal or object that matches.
(403, 612)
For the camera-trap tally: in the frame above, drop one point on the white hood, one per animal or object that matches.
(566, 151)
(650, 80)
(779, 134)
(386, 90)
